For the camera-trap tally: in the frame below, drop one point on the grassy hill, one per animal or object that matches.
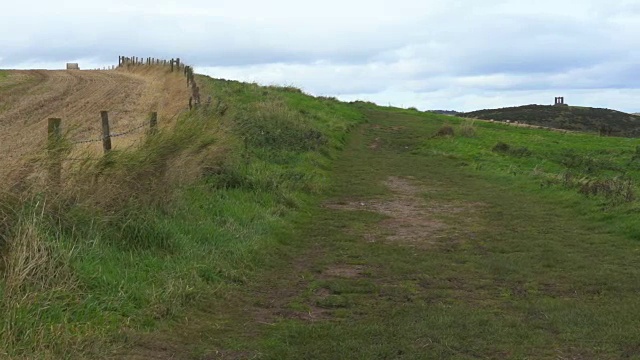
(134, 237)
(605, 121)
(272, 224)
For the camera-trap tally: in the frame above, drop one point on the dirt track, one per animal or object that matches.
(29, 97)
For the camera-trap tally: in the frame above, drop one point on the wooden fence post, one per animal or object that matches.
(54, 131)
(106, 135)
(171, 63)
(153, 123)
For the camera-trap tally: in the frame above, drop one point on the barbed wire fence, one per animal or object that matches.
(54, 151)
(135, 129)
(55, 134)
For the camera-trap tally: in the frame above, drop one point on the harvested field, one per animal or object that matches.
(30, 97)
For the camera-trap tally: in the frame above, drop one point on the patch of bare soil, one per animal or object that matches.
(389, 128)
(232, 355)
(344, 271)
(411, 220)
(276, 308)
(375, 144)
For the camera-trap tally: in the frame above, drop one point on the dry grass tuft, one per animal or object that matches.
(30, 261)
(36, 273)
(467, 128)
(445, 131)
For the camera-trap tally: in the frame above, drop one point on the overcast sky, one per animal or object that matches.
(455, 54)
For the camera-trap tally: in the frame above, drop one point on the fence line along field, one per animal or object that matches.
(129, 93)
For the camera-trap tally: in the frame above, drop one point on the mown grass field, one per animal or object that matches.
(279, 226)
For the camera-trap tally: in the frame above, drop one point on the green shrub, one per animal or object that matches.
(467, 128)
(617, 190)
(586, 163)
(274, 126)
(506, 149)
(445, 131)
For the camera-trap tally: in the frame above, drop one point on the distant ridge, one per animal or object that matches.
(604, 121)
(444, 112)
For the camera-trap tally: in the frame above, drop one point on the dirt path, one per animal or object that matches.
(30, 97)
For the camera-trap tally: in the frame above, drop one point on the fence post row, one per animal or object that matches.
(175, 64)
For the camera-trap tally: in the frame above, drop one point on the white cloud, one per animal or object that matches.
(461, 54)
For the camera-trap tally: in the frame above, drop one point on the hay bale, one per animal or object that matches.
(73, 66)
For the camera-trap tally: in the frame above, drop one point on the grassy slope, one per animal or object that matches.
(132, 246)
(245, 234)
(522, 271)
(566, 117)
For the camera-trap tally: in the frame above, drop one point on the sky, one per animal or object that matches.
(430, 54)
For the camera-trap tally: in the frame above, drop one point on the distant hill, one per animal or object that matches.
(604, 121)
(444, 112)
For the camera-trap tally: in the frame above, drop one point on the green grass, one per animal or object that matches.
(556, 165)
(521, 271)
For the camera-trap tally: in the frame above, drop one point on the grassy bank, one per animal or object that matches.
(139, 235)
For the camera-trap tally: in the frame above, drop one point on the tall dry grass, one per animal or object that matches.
(35, 276)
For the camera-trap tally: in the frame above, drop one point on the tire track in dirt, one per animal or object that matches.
(29, 97)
